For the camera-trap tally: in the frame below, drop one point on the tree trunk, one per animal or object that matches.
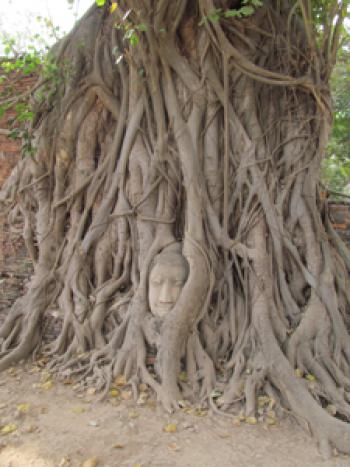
(172, 133)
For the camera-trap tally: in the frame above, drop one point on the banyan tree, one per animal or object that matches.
(172, 210)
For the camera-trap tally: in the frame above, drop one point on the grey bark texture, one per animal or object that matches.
(209, 134)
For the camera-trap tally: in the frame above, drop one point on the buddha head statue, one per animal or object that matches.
(168, 274)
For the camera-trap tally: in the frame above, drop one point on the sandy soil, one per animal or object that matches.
(53, 425)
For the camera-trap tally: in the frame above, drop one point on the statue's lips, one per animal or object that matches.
(165, 307)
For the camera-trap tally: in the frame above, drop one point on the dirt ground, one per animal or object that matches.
(45, 423)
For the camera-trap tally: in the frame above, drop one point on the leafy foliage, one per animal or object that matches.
(336, 167)
(248, 8)
(18, 62)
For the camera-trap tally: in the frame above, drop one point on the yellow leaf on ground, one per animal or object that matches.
(7, 429)
(298, 373)
(133, 414)
(251, 420)
(137, 465)
(270, 421)
(198, 412)
(92, 462)
(170, 428)
(113, 393)
(23, 408)
(47, 386)
(78, 410)
(310, 377)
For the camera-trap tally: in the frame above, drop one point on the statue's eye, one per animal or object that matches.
(156, 282)
(179, 283)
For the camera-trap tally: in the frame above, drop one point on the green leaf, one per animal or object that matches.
(142, 27)
(247, 10)
(134, 39)
(232, 13)
(100, 3)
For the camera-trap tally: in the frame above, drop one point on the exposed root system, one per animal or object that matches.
(209, 135)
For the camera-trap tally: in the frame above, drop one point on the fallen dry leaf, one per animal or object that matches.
(270, 421)
(119, 446)
(143, 397)
(310, 377)
(91, 392)
(331, 409)
(7, 429)
(23, 408)
(12, 371)
(173, 447)
(170, 428)
(200, 412)
(92, 462)
(93, 423)
(48, 385)
(68, 381)
(114, 393)
(65, 462)
(78, 410)
(251, 420)
(133, 414)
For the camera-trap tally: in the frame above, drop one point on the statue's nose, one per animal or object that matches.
(165, 295)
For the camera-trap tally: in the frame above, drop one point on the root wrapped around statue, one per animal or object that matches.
(173, 213)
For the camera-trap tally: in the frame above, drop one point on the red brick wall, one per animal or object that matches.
(10, 148)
